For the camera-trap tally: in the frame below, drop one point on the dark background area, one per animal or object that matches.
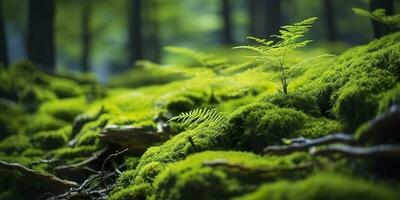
(108, 36)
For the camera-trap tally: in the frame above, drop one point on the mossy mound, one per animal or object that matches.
(297, 100)
(350, 89)
(65, 109)
(358, 99)
(182, 179)
(322, 186)
(48, 140)
(260, 124)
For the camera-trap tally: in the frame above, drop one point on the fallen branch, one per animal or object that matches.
(56, 184)
(95, 156)
(379, 151)
(302, 144)
(104, 164)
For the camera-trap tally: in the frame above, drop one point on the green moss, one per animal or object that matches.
(10, 125)
(298, 100)
(75, 152)
(65, 109)
(355, 80)
(15, 144)
(183, 101)
(145, 175)
(322, 186)
(90, 137)
(65, 88)
(389, 98)
(260, 124)
(183, 179)
(357, 100)
(140, 75)
(137, 192)
(48, 140)
(43, 122)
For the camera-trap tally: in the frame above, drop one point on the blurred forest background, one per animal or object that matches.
(107, 37)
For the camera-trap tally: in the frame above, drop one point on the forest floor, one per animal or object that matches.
(206, 132)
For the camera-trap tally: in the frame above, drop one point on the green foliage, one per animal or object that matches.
(274, 54)
(379, 15)
(206, 116)
(322, 186)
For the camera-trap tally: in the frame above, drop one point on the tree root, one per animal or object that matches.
(56, 184)
(378, 151)
(302, 144)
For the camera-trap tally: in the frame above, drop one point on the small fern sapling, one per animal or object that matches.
(275, 53)
(209, 117)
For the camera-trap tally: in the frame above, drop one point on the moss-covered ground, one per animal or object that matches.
(40, 112)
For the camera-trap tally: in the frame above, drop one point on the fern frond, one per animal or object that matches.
(275, 53)
(193, 118)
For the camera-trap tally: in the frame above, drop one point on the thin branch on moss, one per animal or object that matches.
(104, 164)
(378, 151)
(95, 156)
(302, 144)
(57, 184)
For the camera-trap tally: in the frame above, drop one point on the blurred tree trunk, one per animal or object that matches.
(379, 28)
(227, 33)
(41, 34)
(265, 17)
(135, 36)
(155, 43)
(3, 41)
(86, 35)
(331, 31)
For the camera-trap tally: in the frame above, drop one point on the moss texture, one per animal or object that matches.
(322, 186)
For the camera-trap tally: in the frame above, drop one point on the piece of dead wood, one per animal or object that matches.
(302, 144)
(132, 137)
(378, 151)
(54, 183)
